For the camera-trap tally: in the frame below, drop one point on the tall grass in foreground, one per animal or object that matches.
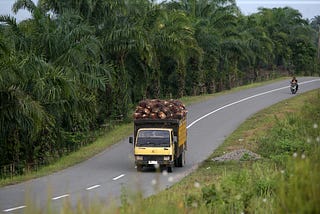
(298, 189)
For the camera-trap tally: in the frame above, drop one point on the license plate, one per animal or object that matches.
(152, 162)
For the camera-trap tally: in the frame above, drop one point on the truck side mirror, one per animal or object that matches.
(130, 139)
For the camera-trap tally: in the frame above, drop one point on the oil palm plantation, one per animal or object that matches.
(52, 85)
(77, 64)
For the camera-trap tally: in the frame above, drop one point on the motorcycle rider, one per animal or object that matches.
(295, 81)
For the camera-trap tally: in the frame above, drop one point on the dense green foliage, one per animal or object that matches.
(76, 65)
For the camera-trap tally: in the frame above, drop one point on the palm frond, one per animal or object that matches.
(24, 4)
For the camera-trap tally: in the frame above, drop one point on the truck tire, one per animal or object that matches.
(176, 162)
(182, 159)
(169, 168)
(139, 168)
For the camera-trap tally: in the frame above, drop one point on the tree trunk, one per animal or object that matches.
(181, 79)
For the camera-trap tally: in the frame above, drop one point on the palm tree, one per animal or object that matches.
(92, 11)
(22, 115)
(180, 45)
(279, 23)
(120, 36)
(53, 83)
(214, 23)
(258, 46)
(315, 24)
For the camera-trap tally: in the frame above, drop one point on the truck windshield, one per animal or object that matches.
(153, 138)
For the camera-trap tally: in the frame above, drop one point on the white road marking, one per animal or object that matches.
(245, 99)
(14, 208)
(93, 187)
(118, 177)
(61, 196)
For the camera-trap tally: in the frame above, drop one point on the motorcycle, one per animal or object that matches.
(293, 87)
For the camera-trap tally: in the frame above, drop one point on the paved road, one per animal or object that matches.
(103, 177)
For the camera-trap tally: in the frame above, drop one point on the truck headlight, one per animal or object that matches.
(166, 158)
(139, 157)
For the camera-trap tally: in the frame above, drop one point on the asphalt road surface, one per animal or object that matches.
(103, 177)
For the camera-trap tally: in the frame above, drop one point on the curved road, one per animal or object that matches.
(103, 177)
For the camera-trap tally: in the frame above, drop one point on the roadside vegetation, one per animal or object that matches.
(284, 180)
(77, 68)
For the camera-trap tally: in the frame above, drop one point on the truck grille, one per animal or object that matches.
(153, 157)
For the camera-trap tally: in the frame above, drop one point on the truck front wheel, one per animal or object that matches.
(139, 168)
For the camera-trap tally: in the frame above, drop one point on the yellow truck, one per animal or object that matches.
(160, 142)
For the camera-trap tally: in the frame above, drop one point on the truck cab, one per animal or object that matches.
(160, 133)
(154, 146)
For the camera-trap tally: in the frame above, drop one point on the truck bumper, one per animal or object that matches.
(154, 162)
